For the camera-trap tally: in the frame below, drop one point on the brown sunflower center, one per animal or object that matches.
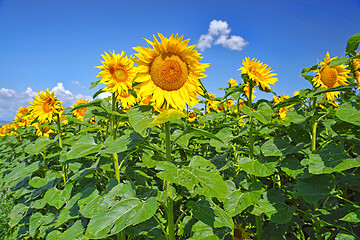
(120, 75)
(329, 76)
(169, 72)
(48, 105)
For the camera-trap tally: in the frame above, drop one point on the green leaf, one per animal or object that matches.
(308, 69)
(265, 110)
(315, 188)
(17, 214)
(277, 147)
(167, 116)
(127, 212)
(21, 171)
(353, 217)
(70, 211)
(292, 167)
(123, 143)
(83, 147)
(58, 198)
(140, 118)
(204, 133)
(38, 146)
(238, 201)
(331, 159)
(203, 231)
(225, 134)
(256, 168)
(35, 222)
(338, 61)
(89, 202)
(94, 84)
(37, 182)
(96, 103)
(76, 231)
(200, 176)
(352, 44)
(349, 112)
(245, 109)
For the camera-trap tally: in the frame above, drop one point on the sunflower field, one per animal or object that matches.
(161, 158)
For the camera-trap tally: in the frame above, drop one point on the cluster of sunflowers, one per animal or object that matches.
(167, 75)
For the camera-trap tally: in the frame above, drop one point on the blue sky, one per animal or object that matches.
(56, 44)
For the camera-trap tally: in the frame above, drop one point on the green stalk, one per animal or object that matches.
(315, 123)
(113, 129)
(170, 202)
(251, 153)
(64, 167)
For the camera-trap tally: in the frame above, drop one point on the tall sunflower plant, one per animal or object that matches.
(145, 160)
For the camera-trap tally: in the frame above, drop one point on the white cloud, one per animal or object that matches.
(11, 101)
(104, 95)
(77, 83)
(219, 34)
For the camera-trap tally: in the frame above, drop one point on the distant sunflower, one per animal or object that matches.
(80, 113)
(258, 72)
(45, 106)
(283, 110)
(211, 104)
(329, 77)
(356, 67)
(22, 118)
(192, 116)
(170, 72)
(117, 72)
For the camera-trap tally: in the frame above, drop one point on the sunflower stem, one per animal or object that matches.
(113, 129)
(315, 123)
(170, 202)
(251, 153)
(64, 167)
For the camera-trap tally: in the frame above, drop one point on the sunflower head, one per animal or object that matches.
(80, 113)
(45, 106)
(330, 77)
(117, 72)
(22, 117)
(211, 104)
(258, 72)
(232, 82)
(169, 71)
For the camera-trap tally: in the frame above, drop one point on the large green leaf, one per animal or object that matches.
(84, 146)
(17, 214)
(38, 146)
(127, 212)
(200, 176)
(239, 200)
(21, 171)
(254, 167)
(331, 159)
(353, 217)
(167, 115)
(202, 231)
(76, 231)
(140, 118)
(349, 112)
(123, 143)
(352, 44)
(315, 188)
(255, 114)
(210, 214)
(278, 147)
(57, 198)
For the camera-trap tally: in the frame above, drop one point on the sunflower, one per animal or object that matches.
(283, 110)
(80, 113)
(232, 82)
(22, 117)
(211, 104)
(127, 99)
(42, 131)
(192, 116)
(117, 71)
(329, 77)
(258, 72)
(170, 72)
(45, 106)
